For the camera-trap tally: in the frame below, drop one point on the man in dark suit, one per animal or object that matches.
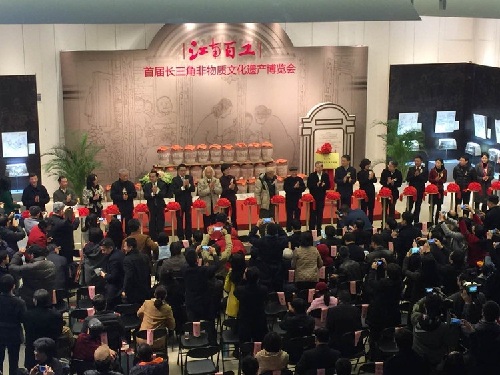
(417, 177)
(155, 191)
(183, 186)
(62, 225)
(123, 194)
(61, 263)
(392, 178)
(137, 275)
(492, 216)
(318, 183)
(112, 273)
(321, 357)
(229, 190)
(345, 178)
(356, 253)
(341, 319)
(294, 187)
(404, 238)
(35, 194)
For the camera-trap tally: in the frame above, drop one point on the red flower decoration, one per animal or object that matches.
(475, 187)
(494, 186)
(307, 198)
(173, 206)
(112, 210)
(83, 211)
(409, 191)
(325, 149)
(25, 214)
(223, 202)
(277, 199)
(141, 207)
(385, 193)
(360, 194)
(453, 188)
(250, 201)
(199, 203)
(431, 189)
(333, 196)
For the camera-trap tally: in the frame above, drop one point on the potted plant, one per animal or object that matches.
(400, 147)
(74, 162)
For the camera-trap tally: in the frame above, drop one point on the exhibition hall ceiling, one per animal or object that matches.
(236, 11)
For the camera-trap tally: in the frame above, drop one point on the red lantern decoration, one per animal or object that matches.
(25, 214)
(250, 201)
(494, 187)
(307, 198)
(431, 189)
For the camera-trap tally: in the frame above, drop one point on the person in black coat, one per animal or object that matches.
(155, 191)
(252, 323)
(123, 194)
(367, 179)
(318, 183)
(62, 270)
(112, 273)
(35, 194)
(404, 238)
(417, 177)
(10, 232)
(492, 216)
(342, 319)
(345, 178)
(463, 174)
(137, 273)
(294, 187)
(12, 311)
(41, 321)
(183, 186)
(356, 253)
(392, 178)
(406, 361)
(229, 190)
(61, 230)
(321, 357)
(296, 322)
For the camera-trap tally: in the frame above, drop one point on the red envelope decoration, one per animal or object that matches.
(281, 298)
(333, 251)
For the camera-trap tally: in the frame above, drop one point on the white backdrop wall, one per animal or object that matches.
(34, 49)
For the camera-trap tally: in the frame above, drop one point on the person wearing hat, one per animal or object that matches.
(229, 190)
(265, 189)
(62, 229)
(345, 178)
(322, 299)
(294, 186)
(367, 179)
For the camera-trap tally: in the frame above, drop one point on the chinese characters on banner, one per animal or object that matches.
(219, 49)
(217, 70)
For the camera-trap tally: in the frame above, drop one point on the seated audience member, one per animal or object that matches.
(147, 364)
(38, 234)
(321, 357)
(4, 262)
(356, 253)
(324, 252)
(93, 257)
(343, 366)
(41, 321)
(341, 319)
(110, 319)
(322, 299)
(91, 221)
(12, 312)
(10, 231)
(89, 340)
(406, 361)
(61, 263)
(296, 322)
(37, 273)
(454, 364)
(294, 238)
(377, 250)
(484, 338)
(163, 246)
(466, 304)
(432, 338)
(362, 236)
(271, 357)
(403, 239)
(391, 228)
(45, 352)
(177, 260)
(306, 261)
(115, 232)
(33, 219)
(103, 361)
(348, 269)
(156, 313)
(61, 230)
(175, 298)
(249, 365)
(330, 239)
(145, 244)
(252, 323)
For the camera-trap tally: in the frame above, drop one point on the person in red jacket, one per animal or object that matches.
(38, 234)
(476, 239)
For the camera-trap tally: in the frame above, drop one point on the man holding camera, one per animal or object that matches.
(468, 301)
(10, 231)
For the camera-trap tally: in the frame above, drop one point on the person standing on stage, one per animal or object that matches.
(93, 195)
(367, 179)
(318, 183)
(484, 173)
(64, 193)
(155, 192)
(209, 190)
(183, 186)
(265, 189)
(417, 177)
(123, 194)
(438, 176)
(345, 178)
(392, 178)
(229, 190)
(35, 194)
(294, 186)
(463, 174)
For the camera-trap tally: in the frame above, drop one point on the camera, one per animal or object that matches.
(429, 290)
(266, 220)
(455, 321)
(42, 368)
(471, 287)
(339, 213)
(431, 240)
(379, 263)
(415, 250)
(206, 248)
(217, 229)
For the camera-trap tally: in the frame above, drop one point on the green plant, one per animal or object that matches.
(75, 163)
(164, 176)
(400, 147)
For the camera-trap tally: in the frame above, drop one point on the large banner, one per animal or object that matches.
(206, 83)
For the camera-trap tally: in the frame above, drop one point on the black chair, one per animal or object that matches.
(352, 350)
(367, 368)
(356, 298)
(274, 309)
(204, 363)
(387, 343)
(326, 371)
(76, 318)
(188, 341)
(62, 297)
(228, 337)
(284, 371)
(83, 300)
(158, 333)
(404, 309)
(363, 318)
(128, 316)
(296, 346)
(79, 366)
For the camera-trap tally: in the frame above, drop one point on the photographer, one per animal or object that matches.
(62, 229)
(475, 238)
(10, 231)
(468, 301)
(348, 216)
(432, 338)
(403, 239)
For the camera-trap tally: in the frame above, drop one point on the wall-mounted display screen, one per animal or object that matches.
(15, 144)
(479, 126)
(445, 122)
(16, 170)
(408, 122)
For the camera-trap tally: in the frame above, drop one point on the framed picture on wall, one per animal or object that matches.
(445, 122)
(479, 126)
(408, 122)
(15, 144)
